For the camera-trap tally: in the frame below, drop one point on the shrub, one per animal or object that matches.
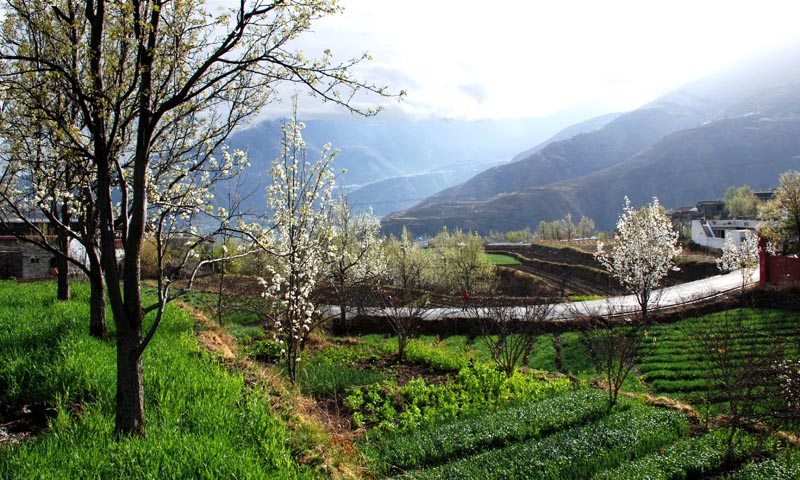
(478, 387)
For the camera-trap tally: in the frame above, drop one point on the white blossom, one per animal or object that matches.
(643, 253)
(301, 237)
(742, 257)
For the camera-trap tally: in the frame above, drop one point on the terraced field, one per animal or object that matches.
(572, 436)
(575, 434)
(695, 359)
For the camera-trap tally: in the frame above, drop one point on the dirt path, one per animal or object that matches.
(317, 427)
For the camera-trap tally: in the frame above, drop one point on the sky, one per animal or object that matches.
(471, 59)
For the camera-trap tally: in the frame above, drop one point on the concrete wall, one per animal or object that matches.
(23, 261)
(715, 233)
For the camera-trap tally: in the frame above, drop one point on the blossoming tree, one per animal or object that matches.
(154, 81)
(299, 199)
(644, 251)
(742, 257)
(357, 255)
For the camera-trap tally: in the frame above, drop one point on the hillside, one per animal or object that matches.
(682, 168)
(736, 127)
(399, 161)
(588, 126)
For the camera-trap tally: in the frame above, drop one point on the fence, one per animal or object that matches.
(776, 269)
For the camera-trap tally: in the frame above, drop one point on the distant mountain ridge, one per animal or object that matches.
(392, 164)
(736, 127)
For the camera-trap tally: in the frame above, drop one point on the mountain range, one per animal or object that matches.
(393, 163)
(738, 126)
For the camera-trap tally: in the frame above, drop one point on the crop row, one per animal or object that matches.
(696, 346)
(433, 444)
(688, 458)
(574, 453)
(786, 467)
(689, 371)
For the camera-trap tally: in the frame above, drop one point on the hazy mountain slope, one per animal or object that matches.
(395, 193)
(506, 196)
(588, 126)
(580, 155)
(687, 166)
(374, 150)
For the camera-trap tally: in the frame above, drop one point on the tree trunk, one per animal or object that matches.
(62, 265)
(97, 309)
(557, 347)
(130, 387)
(343, 310)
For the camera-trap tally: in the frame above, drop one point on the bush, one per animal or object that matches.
(479, 387)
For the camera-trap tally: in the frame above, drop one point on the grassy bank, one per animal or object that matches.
(202, 420)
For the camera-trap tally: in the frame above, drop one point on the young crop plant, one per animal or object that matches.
(574, 453)
(385, 406)
(687, 458)
(432, 444)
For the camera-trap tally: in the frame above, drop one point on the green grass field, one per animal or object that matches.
(202, 420)
(501, 259)
(457, 416)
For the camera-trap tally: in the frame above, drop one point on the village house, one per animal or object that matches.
(714, 234)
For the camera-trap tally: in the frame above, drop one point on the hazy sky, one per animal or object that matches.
(523, 58)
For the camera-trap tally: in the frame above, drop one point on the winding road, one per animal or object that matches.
(685, 293)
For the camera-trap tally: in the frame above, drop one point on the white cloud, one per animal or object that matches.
(522, 58)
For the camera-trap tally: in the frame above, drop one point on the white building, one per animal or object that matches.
(714, 233)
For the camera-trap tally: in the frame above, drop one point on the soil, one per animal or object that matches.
(22, 422)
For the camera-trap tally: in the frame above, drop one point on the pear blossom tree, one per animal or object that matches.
(43, 175)
(742, 257)
(643, 252)
(158, 85)
(299, 199)
(357, 255)
(409, 269)
(781, 215)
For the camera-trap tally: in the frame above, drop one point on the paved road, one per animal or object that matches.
(666, 297)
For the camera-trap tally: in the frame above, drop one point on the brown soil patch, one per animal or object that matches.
(403, 372)
(213, 342)
(18, 424)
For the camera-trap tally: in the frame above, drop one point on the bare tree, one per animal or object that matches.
(510, 331)
(407, 305)
(614, 349)
(740, 375)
